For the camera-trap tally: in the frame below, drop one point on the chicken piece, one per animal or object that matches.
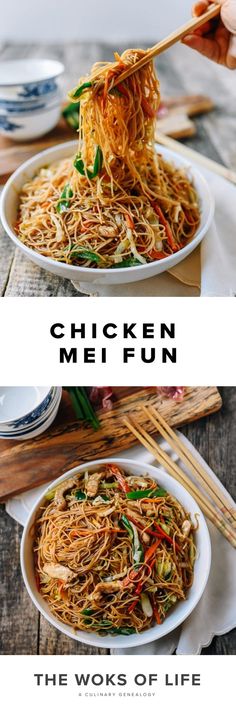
(186, 527)
(93, 484)
(107, 231)
(59, 572)
(106, 512)
(103, 587)
(59, 495)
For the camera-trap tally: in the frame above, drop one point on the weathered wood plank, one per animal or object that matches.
(28, 280)
(19, 619)
(51, 641)
(68, 442)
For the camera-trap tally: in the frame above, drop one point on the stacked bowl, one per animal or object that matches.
(30, 97)
(27, 411)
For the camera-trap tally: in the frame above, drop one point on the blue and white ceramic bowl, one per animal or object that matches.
(29, 79)
(33, 407)
(19, 405)
(30, 97)
(37, 419)
(29, 124)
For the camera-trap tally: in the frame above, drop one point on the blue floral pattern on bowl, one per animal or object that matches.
(7, 125)
(20, 106)
(15, 107)
(35, 414)
(37, 89)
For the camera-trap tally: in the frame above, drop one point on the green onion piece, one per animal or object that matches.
(143, 493)
(107, 625)
(71, 114)
(97, 165)
(122, 630)
(128, 526)
(88, 412)
(87, 612)
(127, 263)
(138, 554)
(159, 492)
(85, 255)
(80, 495)
(98, 161)
(50, 495)
(64, 201)
(82, 406)
(78, 92)
(139, 494)
(75, 403)
(79, 166)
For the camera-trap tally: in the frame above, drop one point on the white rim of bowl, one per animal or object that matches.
(128, 640)
(30, 113)
(58, 70)
(83, 269)
(14, 433)
(35, 431)
(15, 420)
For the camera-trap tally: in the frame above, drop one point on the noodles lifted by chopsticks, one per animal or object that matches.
(119, 204)
(113, 553)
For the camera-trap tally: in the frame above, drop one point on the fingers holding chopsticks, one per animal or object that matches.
(216, 40)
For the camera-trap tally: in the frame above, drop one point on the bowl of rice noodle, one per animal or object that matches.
(115, 553)
(112, 207)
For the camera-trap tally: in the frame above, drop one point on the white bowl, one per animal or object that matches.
(182, 610)
(40, 425)
(20, 405)
(12, 108)
(99, 276)
(28, 79)
(34, 420)
(30, 124)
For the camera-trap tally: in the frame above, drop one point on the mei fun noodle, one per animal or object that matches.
(119, 203)
(113, 553)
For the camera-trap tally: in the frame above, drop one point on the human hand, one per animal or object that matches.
(217, 38)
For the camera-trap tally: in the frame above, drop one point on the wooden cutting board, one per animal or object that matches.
(68, 442)
(174, 120)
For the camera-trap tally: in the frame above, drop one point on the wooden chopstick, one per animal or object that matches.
(167, 461)
(187, 458)
(161, 456)
(220, 170)
(172, 38)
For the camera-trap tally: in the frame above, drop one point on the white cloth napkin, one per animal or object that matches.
(215, 614)
(218, 256)
(218, 249)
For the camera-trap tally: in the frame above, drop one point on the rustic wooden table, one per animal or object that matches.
(24, 631)
(180, 71)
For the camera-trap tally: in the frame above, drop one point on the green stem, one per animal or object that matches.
(87, 408)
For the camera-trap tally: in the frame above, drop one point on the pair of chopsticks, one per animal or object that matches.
(214, 504)
(172, 38)
(190, 154)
